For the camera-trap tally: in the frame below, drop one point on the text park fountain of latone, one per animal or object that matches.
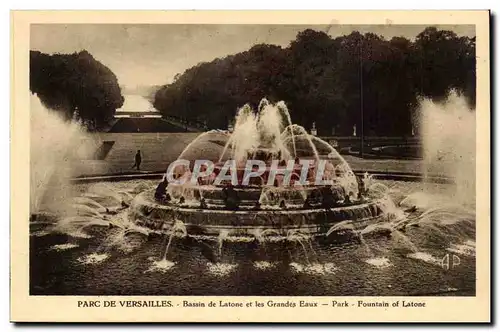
(270, 180)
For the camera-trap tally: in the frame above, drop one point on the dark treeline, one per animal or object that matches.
(77, 86)
(321, 80)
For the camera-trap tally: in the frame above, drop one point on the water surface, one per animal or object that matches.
(435, 257)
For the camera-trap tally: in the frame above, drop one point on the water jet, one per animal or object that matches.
(277, 200)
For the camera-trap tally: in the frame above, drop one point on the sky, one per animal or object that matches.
(144, 55)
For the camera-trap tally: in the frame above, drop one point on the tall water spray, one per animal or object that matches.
(449, 143)
(245, 135)
(272, 122)
(55, 144)
(261, 129)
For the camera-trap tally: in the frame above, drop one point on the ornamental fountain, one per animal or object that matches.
(268, 176)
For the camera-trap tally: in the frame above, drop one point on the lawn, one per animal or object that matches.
(160, 149)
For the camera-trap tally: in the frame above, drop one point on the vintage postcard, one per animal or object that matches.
(252, 166)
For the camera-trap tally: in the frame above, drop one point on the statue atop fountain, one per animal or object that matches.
(314, 132)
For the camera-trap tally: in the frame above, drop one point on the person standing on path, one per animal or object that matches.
(138, 160)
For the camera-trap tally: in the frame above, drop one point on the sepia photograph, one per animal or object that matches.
(274, 160)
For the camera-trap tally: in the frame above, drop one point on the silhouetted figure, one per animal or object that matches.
(231, 199)
(338, 194)
(362, 190)
(327, 198)
(307, 203)
(203, 204)
(138, 160)
(161, 190)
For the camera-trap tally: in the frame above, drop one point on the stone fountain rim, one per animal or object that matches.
(148, 199)
(253, 188)
(157, 175)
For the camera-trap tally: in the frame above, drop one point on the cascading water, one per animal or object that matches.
(295, 236)
(387, 235)
(177, 229)
(222, 237)
(270, 127)
(448, 131)
(449, 143)
(245, 136)
(54, 147)
(284, 111)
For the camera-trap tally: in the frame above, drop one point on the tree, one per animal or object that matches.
(446, 62)
(76, 85)
(330, 81)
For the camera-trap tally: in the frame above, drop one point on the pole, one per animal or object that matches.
(362, 129)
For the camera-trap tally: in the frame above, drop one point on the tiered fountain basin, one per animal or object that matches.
(270, 203)
(248, 220)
